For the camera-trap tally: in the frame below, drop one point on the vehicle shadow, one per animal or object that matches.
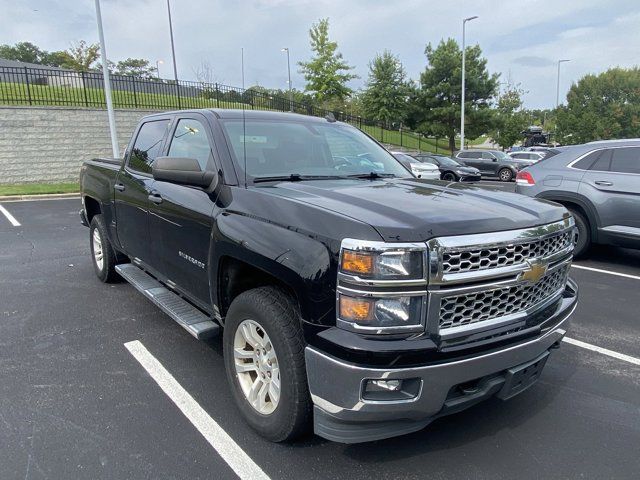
(613, 256)
(484, 420)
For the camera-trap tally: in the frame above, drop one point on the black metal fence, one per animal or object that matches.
(57, 87)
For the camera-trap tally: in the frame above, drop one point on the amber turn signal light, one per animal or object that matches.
(356, 309)
(355, 262)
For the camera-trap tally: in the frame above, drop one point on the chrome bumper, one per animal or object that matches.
(336, 386)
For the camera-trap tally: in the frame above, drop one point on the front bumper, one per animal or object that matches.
(341, 414)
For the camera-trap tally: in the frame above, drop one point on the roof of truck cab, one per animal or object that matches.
(248, 114)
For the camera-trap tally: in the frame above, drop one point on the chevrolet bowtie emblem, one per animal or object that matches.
(535, 272)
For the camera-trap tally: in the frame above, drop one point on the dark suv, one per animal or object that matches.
(493, 163)
(599, 183)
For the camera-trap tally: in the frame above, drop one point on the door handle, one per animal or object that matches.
(119, 187)
(155, 198)
(603, 183)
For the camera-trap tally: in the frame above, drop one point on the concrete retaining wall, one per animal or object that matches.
(48, 144)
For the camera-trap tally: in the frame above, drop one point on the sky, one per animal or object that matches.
(522, 40)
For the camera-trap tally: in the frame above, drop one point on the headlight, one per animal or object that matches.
(376, 313)
(381, 286)
(389, 264)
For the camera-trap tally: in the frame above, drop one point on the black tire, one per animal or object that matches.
(107, 271)
(583, 242)
(277, 314)
(449, 177)
(505, 175)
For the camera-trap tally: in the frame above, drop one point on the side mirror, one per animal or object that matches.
(494, 159)
(183, 171)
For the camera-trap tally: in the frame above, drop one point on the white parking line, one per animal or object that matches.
(226, 447)
(599, 270)
(604, 351)
(10, 217)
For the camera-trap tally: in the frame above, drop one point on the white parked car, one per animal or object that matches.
(427, 171)
(527, 155)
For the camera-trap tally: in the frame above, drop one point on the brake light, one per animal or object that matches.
(525, 178)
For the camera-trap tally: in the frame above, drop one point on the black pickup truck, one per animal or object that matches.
(350, 295)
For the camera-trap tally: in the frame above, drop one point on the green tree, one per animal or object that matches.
(22, 52)
(601, 107)
(435, 106)
(135, 67)
(509, 119)
(82, 56)
(327, 73)
(387, 90)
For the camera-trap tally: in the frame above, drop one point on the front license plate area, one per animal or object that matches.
(521, 377)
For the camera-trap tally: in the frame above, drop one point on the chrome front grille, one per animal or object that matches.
(481, 282)
(471, 259)
(467, 309)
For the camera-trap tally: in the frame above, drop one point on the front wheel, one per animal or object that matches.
(505, 175)
(264, 358)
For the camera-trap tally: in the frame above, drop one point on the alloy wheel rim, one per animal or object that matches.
(257, 368)
(98, 254)
(505, 175)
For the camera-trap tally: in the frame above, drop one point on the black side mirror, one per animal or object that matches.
(183, 171)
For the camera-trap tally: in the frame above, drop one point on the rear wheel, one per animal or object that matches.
(103, 255)
(449, 177)
(505, 175)
(264, 358)
(583, 242)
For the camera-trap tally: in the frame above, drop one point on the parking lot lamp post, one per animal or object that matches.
(173, 48)
(464, 22)
(286, 49)
(558, 82)
(107, 84)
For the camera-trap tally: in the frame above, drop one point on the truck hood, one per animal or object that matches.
(410, 210)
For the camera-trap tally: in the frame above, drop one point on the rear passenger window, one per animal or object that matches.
(626, 160)
(464, 155)
(190, 141)
(147, 145)
(597, 158)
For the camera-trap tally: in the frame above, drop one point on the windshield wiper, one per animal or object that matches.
(295, 177)
(371, 175)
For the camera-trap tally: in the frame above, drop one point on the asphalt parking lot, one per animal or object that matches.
(75, 402)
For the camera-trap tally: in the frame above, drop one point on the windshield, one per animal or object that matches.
(277, 148)
(449, 162)
(501, 155)
(405, 157)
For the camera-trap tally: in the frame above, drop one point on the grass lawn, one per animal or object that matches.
(39, 188)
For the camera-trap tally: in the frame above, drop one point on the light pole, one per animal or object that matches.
(173, 48)
(464, 22)
(558, 82)
(107, 84)
(158, 63)
(286, 49)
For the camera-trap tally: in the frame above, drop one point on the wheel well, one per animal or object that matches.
(579, 209)
(236, 277)
(91, 208)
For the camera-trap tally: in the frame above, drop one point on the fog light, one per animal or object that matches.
(391, 390)
(383, 385)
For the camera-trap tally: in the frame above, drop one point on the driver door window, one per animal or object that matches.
(190, 140)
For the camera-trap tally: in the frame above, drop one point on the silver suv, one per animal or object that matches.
(599, 182)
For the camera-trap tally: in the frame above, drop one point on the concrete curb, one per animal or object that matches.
(44, 196)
